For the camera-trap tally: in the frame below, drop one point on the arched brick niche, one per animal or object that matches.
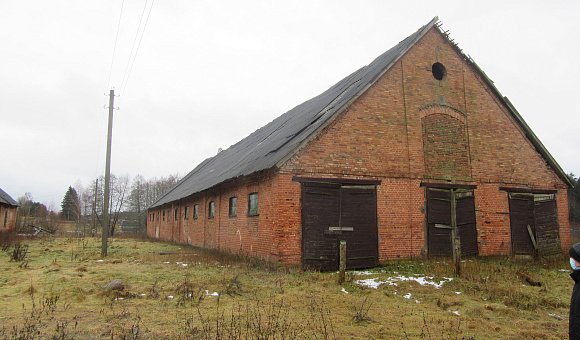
(445, 143)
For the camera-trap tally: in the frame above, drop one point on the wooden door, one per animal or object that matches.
(448, 209)
(332, 213)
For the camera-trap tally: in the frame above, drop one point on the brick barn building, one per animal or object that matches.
(395, 159)
(8, 208)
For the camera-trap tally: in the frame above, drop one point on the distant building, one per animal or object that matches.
(8, 208)
(397, 159)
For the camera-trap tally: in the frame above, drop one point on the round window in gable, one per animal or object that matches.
(438, 71)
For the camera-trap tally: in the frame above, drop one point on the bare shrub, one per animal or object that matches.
(19, 252)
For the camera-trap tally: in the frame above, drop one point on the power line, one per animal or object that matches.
(131, 62)
(115, 47)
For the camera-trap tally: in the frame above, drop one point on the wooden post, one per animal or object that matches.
(457, 255)
(106, 198)
(534, 243)
(455, 240)
(342, 262)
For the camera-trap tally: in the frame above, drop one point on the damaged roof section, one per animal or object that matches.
(267, 146)
(6, 199)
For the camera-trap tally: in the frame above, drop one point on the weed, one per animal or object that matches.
(19, 252)
(153, 292)
(188, 292)
(264, 319)
(362, 312)
(232, 287)
(320, 321)
(48, 303)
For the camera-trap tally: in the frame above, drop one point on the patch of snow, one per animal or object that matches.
(170, 297)
(456, 313)
(99, 260)
(358, 272)
(372, 283)
(344, 290)
(213, 294)
(422, 280)
(408, 296)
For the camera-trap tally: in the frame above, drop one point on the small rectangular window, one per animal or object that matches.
(163, 215)
(186, 213)
(253, 204)
(158, 216)
(176, 214)
(211, 210)
(233, 206)
(195, 212)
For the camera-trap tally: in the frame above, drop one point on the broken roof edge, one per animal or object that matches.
(513, 111)
(522, 123)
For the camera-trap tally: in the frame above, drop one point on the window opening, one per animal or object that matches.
(253, 204)
(211, 209)
(438, 71)
(233, 206)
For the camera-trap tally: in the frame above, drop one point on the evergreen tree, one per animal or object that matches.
(70, 206)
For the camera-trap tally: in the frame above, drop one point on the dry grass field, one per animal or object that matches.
(52, 288)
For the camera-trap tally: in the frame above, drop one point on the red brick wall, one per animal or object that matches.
(7, 217)
(251, 235)
(382, 136)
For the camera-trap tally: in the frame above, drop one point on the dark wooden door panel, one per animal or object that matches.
(522, 215)
(320, 211)
(359, 213)
(331, 213)
(466, 223)
(439, 221)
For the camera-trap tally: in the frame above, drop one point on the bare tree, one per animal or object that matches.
(119, 186)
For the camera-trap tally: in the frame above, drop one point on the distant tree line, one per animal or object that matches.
(83, 205)
(34, 214)
(129, 199)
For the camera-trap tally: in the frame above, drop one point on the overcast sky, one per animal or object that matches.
(204, 74)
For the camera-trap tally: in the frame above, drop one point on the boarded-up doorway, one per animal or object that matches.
(534, 224)
(449, 208)
(334, 212)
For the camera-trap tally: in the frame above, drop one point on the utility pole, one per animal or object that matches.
(107, 178)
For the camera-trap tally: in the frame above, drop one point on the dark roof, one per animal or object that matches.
(6, 199)
(272, 144)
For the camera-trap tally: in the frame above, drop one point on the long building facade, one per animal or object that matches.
(398, 159)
